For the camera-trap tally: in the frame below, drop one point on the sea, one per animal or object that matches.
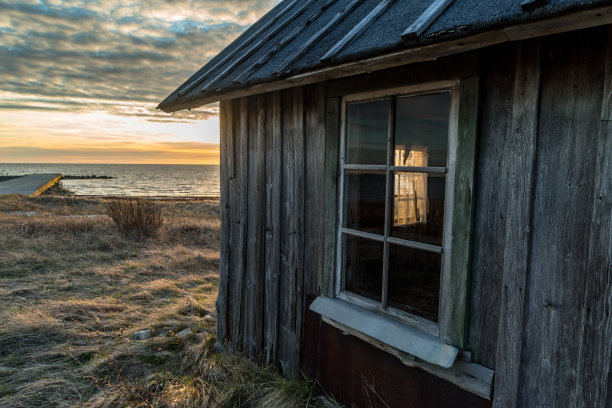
(135, 180)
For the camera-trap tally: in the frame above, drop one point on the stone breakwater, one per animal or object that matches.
(92, 177)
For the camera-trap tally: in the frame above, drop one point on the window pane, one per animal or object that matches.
(421, 133)
(365, 201)
(414, 281)
(367, 130)
(418, 207)
(363, 266)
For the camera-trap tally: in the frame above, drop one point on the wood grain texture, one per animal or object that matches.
(572, 89)
(287, 249)
(298, 227)
(314, 188)
(453, 67)
(520, 158)
(239, 223)
(274, 164)
(292, 215)
(233, 124)
(254, 283)
(332, 140)
(454, 305)
(595, 346)
(569, 22)
(225, 115)
(497, 78)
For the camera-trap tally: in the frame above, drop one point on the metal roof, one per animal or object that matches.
(299, 36)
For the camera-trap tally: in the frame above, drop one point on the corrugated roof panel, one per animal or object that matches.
(235, 45)
(386, 31)
(324, 43)
(292, 16)
(477, 15)
(304, 31)
(279, 41)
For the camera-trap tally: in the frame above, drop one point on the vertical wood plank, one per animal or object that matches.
(465, 157)
(239, 218)
(332, 139)
(314, 188)
(225, 119)
(287, 249)
(273, 231)
(521, 157)
(596, 348)
(253, 305)
(298, 220)
(292, 262)
(233, 123)
(570, 109)
(497, 77)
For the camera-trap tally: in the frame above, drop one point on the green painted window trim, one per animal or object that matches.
(454, 318)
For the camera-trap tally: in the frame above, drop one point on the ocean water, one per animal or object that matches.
(151, 180)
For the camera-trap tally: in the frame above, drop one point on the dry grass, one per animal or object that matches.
(136, 218)
(73, 291)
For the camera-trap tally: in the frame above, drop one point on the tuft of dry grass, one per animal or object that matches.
(137, 218)
(73, 291)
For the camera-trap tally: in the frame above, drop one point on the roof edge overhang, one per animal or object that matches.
(569, 22)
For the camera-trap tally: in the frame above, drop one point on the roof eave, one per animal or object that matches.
(569, 22)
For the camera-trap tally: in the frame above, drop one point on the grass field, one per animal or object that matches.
(73, 292)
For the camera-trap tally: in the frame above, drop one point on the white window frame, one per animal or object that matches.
(443, 328)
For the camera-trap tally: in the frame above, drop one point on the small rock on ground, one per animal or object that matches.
(183, 334)
(210, 319)
(219, 348)
(143, 334)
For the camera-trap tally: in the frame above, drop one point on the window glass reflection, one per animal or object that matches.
(421, 130)
(414, 281)
(364, 266)
(367, 131)
(418, 207)
(365, 201)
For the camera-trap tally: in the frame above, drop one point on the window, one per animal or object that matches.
(393, 188)
(397, 258)
(393, 179)
(403, 203)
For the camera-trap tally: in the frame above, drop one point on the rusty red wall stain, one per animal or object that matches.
(360, 375)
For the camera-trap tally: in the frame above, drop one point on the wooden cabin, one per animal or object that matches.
(416, 199)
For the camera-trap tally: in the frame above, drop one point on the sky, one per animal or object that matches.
(80, 80)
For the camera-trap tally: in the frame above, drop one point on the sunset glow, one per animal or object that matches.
(80, 80)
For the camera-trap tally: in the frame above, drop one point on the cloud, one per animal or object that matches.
(203, 153)
(122, 57)
(80, 105)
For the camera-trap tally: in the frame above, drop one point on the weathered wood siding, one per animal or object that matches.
(541, 266)
(541, 277)
(273, 158)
